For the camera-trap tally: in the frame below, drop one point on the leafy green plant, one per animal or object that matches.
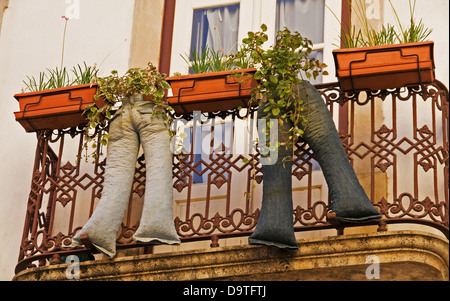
(113, 88)
(49, 79)
(219, 61)
(198, 62)
(386, 35)
(367, 36)
(279, 71)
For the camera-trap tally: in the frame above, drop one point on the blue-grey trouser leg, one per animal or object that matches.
(130, 126)
(348, 200)
(275, 225)
(157, 222)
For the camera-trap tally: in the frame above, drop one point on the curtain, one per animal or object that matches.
(304, 16)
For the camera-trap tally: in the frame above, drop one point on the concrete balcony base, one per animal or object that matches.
(402, 255)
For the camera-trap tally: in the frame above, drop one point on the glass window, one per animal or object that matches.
(306, 17)
(216, 28)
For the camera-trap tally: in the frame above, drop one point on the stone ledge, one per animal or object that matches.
(403, 255)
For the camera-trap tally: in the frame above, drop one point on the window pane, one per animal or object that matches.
(304, 16)
(216, 28)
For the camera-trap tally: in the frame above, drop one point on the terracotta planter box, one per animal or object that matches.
(55, 108)
(383, 67)
(211, 92)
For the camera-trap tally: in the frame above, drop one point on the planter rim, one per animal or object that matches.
(75, 87)
(364, 49)
(210, 74)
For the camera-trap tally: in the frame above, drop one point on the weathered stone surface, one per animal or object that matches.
(403, 255)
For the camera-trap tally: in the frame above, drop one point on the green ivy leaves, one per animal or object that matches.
(114, 88)
(279, 68)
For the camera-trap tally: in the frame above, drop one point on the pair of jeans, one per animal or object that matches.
(131, 126)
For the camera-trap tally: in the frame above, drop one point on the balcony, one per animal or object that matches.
(397, 141)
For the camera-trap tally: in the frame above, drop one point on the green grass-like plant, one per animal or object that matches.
(60, 77)
(389, 34)
(210, 60)
(112, 89)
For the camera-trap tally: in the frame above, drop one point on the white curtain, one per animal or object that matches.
(304, 16)
(216, 28)
(223, 28)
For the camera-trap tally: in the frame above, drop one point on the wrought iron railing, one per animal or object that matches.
(397, 141)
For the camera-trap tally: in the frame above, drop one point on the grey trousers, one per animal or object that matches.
(131, 126)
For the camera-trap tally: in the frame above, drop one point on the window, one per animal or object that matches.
(222, 24)
(306, 17)
(216, 28)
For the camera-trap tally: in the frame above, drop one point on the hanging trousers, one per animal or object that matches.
(130, 127)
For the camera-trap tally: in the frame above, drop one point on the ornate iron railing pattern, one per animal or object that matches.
(401, 150)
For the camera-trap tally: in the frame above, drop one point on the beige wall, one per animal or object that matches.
(146, 32)
(113, 34)
(3, 7)
(374, 10)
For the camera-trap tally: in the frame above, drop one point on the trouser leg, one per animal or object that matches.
(122, 152)
(349, 201)
(275, 225)
(157, 222)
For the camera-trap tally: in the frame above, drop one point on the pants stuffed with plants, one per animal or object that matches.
(348, 200)
(133, 125)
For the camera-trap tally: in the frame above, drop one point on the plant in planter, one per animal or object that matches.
(389, 58)
(279, 71)
(216, 85)
(113, 89)
(207, 60)
(299, 111)
(57, 98)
